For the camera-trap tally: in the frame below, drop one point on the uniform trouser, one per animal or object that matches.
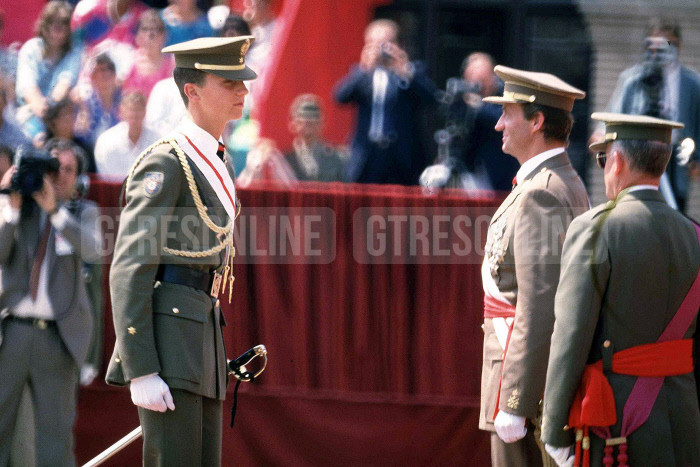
(522, 453)
(188, 436)
(39, 358)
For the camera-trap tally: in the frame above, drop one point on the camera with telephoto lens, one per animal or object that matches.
(32, 164)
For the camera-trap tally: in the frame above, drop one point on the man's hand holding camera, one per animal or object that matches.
(46, 196)
(388, 55)
(15, 198)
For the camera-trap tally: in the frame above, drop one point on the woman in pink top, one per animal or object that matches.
(150, 65)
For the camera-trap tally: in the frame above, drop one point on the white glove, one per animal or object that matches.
(562, 456)
(151, 392)
(87, 374)
(509, 427)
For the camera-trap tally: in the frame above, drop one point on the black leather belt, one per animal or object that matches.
(36, 322)
(188, 277)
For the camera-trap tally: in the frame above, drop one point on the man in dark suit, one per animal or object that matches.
(391, 94)
(172, 259)
(661, 87)
(626, 315)
(45, 313)
(476, 143)
(521, 264)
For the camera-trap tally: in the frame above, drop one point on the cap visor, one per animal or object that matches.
(502, 100)
(235, 75)
(599, 146)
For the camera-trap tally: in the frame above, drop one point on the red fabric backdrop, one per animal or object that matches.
(370, 364)
(20, 16)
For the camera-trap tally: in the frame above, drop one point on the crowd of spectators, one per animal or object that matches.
(94, 74)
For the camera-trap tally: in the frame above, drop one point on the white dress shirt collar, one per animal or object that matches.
(642, 187)
(531, 164)
(201, 148)
(203, 140)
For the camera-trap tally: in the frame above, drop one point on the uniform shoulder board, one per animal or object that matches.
(601, 208)
(542, 177)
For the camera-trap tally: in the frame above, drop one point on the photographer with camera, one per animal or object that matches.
(391, 94)
(474, 141)
(661, 87)
(45, 317)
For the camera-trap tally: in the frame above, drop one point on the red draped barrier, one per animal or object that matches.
(375, 359)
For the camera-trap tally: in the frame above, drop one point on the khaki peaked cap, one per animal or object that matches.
(524, 87)
(623, 126)
(220, 56)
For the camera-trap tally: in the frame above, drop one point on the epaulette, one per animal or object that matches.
(542, 177)
(602, 208)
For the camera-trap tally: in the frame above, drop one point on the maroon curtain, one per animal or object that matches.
(375, 359)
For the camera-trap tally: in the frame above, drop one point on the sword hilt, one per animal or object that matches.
(237, 367)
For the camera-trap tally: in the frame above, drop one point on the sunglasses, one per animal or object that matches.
(601, 158)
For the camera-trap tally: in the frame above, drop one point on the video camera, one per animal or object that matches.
(32, 164)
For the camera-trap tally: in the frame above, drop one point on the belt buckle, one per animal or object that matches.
(215, 285)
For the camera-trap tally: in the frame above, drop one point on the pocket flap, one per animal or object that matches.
(181, 302)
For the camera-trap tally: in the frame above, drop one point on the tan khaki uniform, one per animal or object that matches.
(523, 250)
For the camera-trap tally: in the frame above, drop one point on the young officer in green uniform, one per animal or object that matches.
(626, 310)
(172, 259)
(521, 264)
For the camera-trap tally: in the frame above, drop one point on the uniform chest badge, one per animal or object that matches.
(495, 245)
(153, 183)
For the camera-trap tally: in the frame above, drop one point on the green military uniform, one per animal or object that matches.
(174, 230)
(627, 265)
(521, 269)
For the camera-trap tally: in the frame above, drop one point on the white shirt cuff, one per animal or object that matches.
(139, 378)
(10, 215)
(60, 218)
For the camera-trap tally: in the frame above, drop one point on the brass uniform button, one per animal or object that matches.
(606, 344)
(132, 330)
(118, 360)
(41, 324)
(175, 310)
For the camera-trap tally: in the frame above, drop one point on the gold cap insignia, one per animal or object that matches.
(245, 47)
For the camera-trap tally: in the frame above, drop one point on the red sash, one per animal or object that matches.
(497, 309)
(594, 405)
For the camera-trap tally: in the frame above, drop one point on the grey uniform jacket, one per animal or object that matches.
(627, 264)
(66, 289)
(160, 327)
(523, 250)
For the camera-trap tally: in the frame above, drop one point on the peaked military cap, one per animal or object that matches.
(623, 126)
(523, 87)
(220, 56)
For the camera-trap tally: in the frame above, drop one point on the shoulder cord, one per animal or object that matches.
(226, 232)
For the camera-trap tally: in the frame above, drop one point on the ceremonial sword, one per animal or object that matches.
(235, 367)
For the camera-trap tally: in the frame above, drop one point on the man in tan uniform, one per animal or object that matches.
(521, 265)
(172, 259)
